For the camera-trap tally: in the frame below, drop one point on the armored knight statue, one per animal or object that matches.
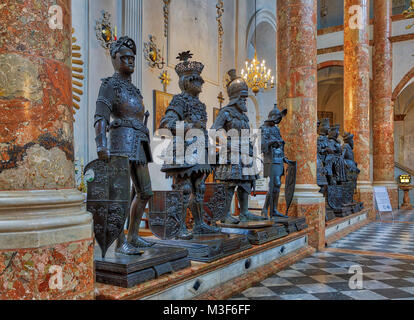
(323, 128)
(120, 101)
(236, 175)
(273, 149)
(352, 170)
(189, 176)
(334, 161)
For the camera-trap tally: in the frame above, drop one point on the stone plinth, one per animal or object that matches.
(220, 279)
(407, 201)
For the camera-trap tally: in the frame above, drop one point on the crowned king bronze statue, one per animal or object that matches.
(189, 176)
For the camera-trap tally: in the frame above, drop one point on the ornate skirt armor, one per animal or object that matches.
(190, 110)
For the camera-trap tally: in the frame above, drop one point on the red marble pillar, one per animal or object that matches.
(297, 91)
(357, 91)
(383, 109)
(46, 244)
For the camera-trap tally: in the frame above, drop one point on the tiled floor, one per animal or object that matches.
(331, 275)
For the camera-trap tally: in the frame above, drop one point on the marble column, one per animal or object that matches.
(297, 91)
(383, 109)
(357, 92)
(46, 242)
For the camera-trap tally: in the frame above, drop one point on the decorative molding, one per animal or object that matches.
(166, 9)
(397, 17)
(330, 63)
(220, 11)
(104, 30)
(77, 73)
(330, 50)
(402, 84)
(152, 54)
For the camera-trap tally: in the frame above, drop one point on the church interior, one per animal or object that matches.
(92, 93)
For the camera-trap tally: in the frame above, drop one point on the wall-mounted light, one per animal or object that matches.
(405, 179)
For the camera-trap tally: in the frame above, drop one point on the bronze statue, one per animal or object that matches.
(273, 149)
(352, 170)
(337, 171)
(334, 159)
(188, 177)
(233, 117)
(323, 129)
(120, 101)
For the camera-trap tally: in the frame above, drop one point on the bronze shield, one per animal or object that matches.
(335, 196)
(290, 184)
(109, 198)
(214, 202)
(165, 208)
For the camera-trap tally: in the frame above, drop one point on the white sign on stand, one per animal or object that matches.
(382, 200)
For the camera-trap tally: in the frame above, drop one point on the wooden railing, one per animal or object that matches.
(404, 168)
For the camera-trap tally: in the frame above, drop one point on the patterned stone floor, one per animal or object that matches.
(383, 252)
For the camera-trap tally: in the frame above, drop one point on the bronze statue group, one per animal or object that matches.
(120, 112)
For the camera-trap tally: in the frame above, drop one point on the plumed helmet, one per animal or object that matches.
(276, 115)
(236, 87)
(124, 41)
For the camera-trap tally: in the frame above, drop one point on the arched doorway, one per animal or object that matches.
(331, 93)
(404, 126)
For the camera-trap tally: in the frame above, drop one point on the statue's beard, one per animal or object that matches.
(242, 107)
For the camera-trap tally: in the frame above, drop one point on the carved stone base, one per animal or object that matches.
(128, 271)
(209, 248)
(349, 209)
(292, 225)
(330, 215)
(257, 232)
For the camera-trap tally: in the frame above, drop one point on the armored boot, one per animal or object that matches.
(124, 247)
(265, 210)
(274, 213)
(230, 219)
(200, 227)
(137, 210)
(245, 215)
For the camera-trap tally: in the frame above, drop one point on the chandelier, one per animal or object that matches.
(257, 75)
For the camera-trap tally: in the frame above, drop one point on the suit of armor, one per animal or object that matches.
(273, 149)
(334, 160)
(352, 170)
(323, 141)
(120, 111)
(189, 176)
(240, 175)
